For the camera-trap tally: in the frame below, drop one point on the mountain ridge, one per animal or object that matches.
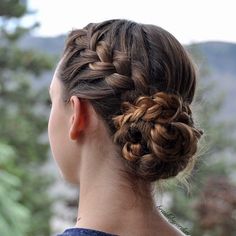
(218, 56)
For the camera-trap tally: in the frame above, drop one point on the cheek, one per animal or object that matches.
(63, 151)
(56, 133)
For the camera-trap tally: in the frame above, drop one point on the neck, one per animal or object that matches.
(108, 201)
(112, 206)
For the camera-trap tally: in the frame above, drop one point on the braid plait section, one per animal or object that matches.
(157, 135)
(94, 61)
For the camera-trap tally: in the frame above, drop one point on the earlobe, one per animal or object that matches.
(77, 122)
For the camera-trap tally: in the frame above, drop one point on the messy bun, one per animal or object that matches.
(141, 81)
(157, 135)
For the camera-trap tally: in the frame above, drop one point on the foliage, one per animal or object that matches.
(213, 163)
(24, 202)
(216, 207)
(13, 213)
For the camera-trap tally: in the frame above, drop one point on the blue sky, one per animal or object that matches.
(188, 20)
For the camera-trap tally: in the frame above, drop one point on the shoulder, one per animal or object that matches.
(83, 232)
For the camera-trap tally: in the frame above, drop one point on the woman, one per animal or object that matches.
(121, 120)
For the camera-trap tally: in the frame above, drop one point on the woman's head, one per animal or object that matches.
(140, 82)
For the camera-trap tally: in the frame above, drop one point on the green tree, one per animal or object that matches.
(24, 202)
(213, 162)
(14, 216)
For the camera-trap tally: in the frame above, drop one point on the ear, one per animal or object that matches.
(77, 122)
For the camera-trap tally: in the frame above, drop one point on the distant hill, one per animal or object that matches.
(51, 45)
(220, 58)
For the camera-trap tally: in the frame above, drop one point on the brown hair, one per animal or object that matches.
(141, 81)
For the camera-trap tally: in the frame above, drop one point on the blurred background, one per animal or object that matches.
(34, 200)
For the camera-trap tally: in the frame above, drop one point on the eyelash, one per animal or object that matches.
(49, 102)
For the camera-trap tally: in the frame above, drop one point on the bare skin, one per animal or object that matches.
(86, 156)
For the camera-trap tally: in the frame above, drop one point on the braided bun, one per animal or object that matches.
(119, 66)
(157, 135)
